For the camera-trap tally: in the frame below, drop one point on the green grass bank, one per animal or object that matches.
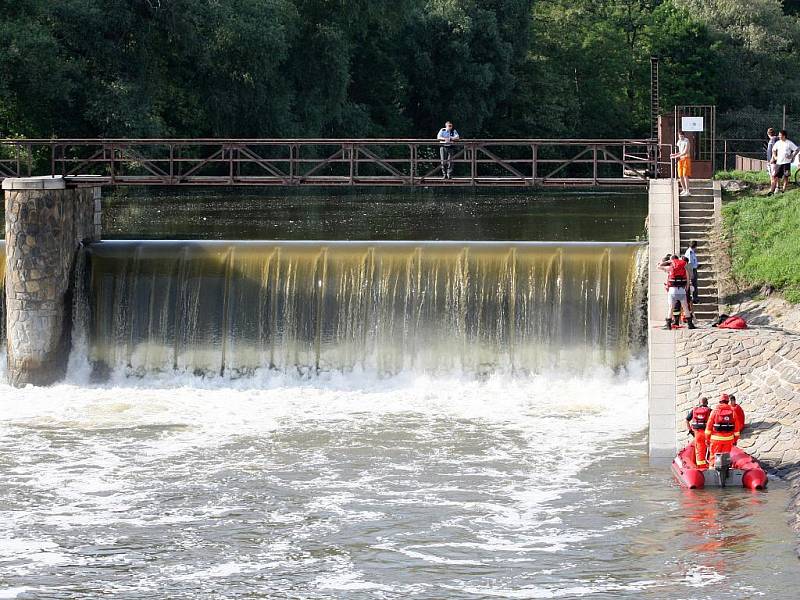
(764, 235)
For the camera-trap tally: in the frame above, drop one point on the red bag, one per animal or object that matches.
(733, 323)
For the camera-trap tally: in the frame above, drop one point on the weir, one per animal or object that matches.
(234, 307)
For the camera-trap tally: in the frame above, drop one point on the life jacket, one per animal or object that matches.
(676, 277)
(733, 323)
(724, 421)
(699, 417)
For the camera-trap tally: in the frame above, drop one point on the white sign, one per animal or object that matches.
(692, 123)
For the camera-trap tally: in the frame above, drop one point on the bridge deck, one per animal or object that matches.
(94, 180)
(332, 162)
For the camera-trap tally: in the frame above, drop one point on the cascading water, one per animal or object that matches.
(234, 307)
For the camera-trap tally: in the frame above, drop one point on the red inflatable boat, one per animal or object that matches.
(730, 470)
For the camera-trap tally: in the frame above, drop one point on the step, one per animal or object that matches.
(691, 201)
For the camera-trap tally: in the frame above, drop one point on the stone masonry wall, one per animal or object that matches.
(43, 231)
(762, 368)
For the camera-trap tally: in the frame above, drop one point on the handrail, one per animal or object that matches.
(505, 141)
(332, 161)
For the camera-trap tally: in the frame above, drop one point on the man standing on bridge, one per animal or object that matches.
(447, 135)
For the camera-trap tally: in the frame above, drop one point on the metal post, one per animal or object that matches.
(725, 155)
(351, 149)
(111, 166)
(473, 162)
(412, 153)
(534, 156)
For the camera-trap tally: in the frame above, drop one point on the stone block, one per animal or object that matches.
(34, 183)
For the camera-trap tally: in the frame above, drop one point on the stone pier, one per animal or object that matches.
(46, 221)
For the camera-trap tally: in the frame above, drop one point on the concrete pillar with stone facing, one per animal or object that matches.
(45, 223)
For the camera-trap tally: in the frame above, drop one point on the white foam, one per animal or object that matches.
(97, 453)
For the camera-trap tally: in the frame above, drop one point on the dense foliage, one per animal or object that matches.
(278, 68)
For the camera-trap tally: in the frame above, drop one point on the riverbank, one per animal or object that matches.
(756, 250)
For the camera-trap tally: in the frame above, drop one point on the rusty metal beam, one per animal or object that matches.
(163, 161)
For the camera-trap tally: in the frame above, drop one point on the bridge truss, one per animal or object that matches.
(331, 162)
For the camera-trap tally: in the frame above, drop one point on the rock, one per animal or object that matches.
(733, 185)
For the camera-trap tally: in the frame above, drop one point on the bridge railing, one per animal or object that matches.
(286, 162)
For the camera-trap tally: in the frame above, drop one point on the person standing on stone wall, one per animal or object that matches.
(684, 162)
(677, 285)
(737, 408)
(691, 256)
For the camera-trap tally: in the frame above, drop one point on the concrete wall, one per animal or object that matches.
(663, 236)
(45, 224)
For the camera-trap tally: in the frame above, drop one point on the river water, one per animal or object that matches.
(351, 482)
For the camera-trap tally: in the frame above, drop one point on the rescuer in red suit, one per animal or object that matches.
(696, 422)
(737, 408)
(723, 428)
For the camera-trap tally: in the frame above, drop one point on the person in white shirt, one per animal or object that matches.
(684, 162)
(691, 256)
(447, 135)
(783, 152)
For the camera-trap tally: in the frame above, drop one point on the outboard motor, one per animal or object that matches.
(722, 463)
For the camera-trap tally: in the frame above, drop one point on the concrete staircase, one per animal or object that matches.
(697, 214)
